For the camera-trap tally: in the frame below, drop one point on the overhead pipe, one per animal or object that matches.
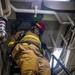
(1, 11)
(7, 11)
(8, 8)
(7, 4)
(39, 12)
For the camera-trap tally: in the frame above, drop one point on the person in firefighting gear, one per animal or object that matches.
(27, 51)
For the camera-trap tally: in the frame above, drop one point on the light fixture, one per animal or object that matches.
(59, 0)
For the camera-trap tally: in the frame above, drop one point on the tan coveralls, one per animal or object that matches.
(28, 56)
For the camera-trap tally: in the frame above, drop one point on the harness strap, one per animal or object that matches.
(27, 36)
(25, 42)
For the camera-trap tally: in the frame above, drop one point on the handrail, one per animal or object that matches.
(63, 67)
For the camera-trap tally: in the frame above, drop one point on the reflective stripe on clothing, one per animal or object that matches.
(10, 43)
(26, 44)
(27, 36)
(31, 36)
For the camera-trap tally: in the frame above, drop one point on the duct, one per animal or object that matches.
(39, 12)
(59, 5)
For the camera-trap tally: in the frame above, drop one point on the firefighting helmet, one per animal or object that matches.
(40, 26)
